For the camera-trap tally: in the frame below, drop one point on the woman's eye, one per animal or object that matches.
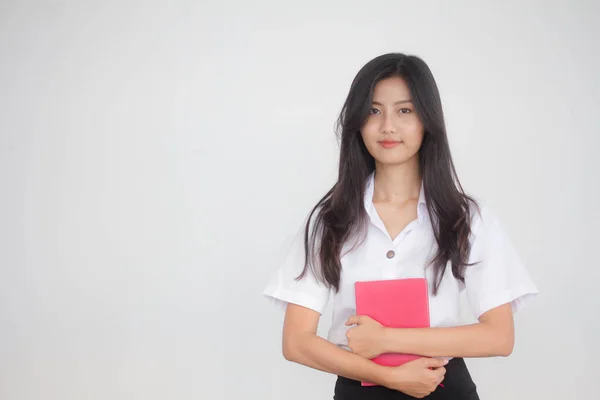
(404, 111)
(374, 111)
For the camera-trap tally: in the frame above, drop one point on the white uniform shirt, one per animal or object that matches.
(498, 278)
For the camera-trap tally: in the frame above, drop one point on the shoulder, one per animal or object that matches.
(496, 274)
(482, 215)
(488, 237)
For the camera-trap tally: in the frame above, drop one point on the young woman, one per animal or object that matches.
(398, 211)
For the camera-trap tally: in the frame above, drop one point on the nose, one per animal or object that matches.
(387, 124)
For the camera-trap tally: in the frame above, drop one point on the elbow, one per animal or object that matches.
(295, 347)
(505, 351)
(506, 345)
(288, 352)
(290, 348)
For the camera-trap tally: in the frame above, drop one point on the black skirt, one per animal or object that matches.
(458, 385)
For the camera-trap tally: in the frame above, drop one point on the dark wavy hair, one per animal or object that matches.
(340, 214)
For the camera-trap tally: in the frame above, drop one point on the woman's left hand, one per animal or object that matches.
(366, 338)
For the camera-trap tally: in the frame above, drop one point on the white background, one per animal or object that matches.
(155, 157)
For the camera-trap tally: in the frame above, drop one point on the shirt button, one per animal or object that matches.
(390, 254)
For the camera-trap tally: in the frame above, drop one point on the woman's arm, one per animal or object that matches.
(302, 345)
(492, 336)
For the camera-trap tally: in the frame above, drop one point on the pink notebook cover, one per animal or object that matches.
(396, 303)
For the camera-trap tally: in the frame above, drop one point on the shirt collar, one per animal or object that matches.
(422, 212)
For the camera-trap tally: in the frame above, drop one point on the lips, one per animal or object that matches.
(388, 144)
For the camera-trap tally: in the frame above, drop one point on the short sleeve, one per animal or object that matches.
(283, 287)
(499, 276)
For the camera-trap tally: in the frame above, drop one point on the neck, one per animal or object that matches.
(397, 183)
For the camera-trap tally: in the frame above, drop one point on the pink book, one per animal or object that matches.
(396, 303)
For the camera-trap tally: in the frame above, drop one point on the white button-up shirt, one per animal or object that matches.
(497, 279)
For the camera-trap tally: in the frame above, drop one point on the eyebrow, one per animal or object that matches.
(396, 103)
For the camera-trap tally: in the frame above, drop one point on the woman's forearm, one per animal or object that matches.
(315, 352)
(476, 340)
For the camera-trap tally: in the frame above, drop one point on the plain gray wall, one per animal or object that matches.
(156, 156)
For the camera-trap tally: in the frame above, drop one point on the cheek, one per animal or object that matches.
(413, 135)
(414, 139)
(369, 134)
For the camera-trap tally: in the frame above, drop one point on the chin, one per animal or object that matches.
(394, 159)
(391, 161)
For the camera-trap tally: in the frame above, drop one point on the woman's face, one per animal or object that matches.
(393, 132)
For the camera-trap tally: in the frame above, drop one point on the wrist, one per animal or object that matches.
(385, 375)
(385, 340)
(392, 377)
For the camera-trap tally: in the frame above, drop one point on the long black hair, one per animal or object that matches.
(340, 214)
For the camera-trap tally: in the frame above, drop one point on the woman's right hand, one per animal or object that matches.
(417, 378)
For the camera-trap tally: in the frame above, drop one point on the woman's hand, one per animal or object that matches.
(366, 338)
(417, 378)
